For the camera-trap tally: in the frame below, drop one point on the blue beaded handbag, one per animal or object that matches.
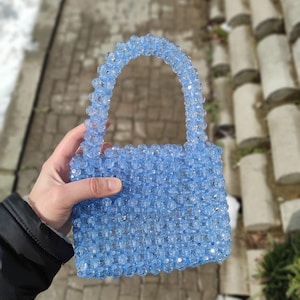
(172, 211)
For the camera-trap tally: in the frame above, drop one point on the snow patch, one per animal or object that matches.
(17, 19)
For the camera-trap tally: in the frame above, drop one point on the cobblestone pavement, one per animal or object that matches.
(147, 107)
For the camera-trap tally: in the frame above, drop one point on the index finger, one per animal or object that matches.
(69, 144)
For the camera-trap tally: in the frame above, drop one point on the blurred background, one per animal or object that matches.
(247, 53)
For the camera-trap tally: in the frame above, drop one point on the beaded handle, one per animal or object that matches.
(115, 61)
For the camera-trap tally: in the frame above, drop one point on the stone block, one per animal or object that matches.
(284, 127)
(18, 113)
(91, 292)
(223, 98)
(73, 294)
(277, 71)
(233, 271)
(190, 280)
(250, 129)
(266, 18)
(110, 292)
(130, 286)
(296, 58)
(169, 292)
(237, 12)
(255, 288)
(216, 11)
(291, 12)
(57, 291)
(220, 59)
(209, 268)
(230, 171)
(259, 211)
(208, 284)
(290, 215)
(170, 278)
(78, 283)
(149, 291)
(243, 60)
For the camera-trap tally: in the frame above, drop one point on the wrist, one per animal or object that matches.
(27, 200)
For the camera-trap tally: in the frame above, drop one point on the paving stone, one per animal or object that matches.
(166, 114)
(243, 60)
(59, 73)
(124, 124)
(290, 211)
(34, 159)
(57, 104)
(51, 123)
(250, 127)
(277, 72)
(209, 294)
(151, 278)
(169, 279)
(110, 292)
(66, 123)
(256, 194)
(59, 87)
(78, 283)
(171, 130)
(168, 292)
(149, 291)
(124, 110)
(130, 286)
(255, 288)
(26, 179)
(128, 95)
(209, 268)
(284, 126)
(153, 113)
(291, 11)
(47, 142)
(122, 137)
(190, 279)
(86, 77)
(112, 281)
(237, 12)
(89, 64)
(207, 286)
(155, 129)
(57, 291)
(266, 18)
(191, 295)
(91, 292)
(73, 294)
(128, 298)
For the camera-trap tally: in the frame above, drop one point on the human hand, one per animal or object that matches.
(53, 195)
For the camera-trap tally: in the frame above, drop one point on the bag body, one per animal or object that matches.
(172, 211)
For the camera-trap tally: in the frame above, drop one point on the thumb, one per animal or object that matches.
(84, 189)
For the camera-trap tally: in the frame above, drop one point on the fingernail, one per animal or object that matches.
(114, 184)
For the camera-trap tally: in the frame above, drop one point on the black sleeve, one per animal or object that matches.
(30, 252)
